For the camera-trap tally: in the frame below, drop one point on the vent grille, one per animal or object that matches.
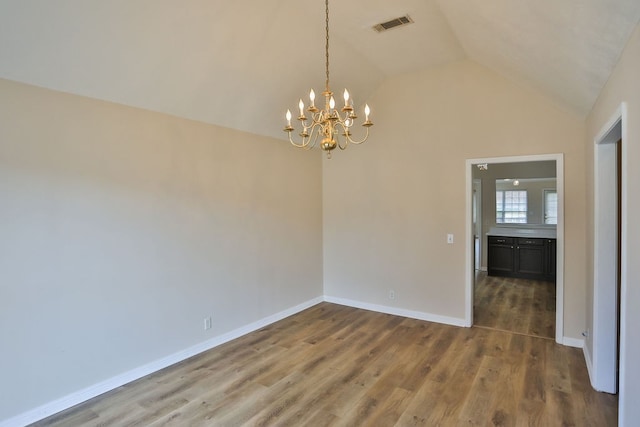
(394, 23)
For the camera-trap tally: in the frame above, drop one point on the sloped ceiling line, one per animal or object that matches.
(241, 64)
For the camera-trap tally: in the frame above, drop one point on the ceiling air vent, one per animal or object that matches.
(397, 22)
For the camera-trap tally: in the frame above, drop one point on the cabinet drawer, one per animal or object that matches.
(499, 240)
(530, 242)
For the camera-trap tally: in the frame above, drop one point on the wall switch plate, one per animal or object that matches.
(207, 323)
(392, 294)
(450, 238)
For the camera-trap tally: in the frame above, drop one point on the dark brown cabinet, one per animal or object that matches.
(527, 258)
(550, 260)
(501, 259)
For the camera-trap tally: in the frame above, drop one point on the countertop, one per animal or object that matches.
(542, 233)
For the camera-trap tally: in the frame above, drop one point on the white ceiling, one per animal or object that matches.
(242, 63)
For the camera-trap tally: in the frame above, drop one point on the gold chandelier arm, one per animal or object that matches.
(304, 144)
(362, 140)
(308, 142)
(347, 135)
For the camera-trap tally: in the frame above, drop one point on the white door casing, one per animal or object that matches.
(469, 270)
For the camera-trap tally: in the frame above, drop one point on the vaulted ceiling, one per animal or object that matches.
(242, 63)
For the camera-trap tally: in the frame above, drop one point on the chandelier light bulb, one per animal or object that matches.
(301, 107)
(332, 103)
(312, 97)
(346, 98)
(367, 111)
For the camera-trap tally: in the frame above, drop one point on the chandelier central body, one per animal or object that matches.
(329, 125)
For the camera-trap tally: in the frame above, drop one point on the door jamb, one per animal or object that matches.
(602, 361)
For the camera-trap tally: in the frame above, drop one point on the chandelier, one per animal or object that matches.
(328, 124)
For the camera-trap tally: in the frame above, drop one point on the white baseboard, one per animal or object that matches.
(592, 377)
(573, 342)
(589, 363)
(454, 321)
(90, 392)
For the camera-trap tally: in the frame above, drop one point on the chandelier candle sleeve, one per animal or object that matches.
(328, 124)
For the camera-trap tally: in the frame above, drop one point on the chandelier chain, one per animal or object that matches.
(327, 123)
(326, 49)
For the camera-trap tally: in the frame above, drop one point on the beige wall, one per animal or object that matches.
(623, 86)
(122, 229)
(389, 204)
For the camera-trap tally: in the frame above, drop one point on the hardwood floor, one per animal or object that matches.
(341, 366)
(516, 305)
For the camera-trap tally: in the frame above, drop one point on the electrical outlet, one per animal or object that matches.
(392, 294)
(207, 323)
(449, 238)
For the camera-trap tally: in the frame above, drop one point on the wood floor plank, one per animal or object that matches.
(425, 407)
(268, 410)
(516, 305)
(483, 388)
(332, 365)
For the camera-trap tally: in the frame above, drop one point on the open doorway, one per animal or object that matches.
(514, 289)
(533, 265)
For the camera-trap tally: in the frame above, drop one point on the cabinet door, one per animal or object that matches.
(530, 261)
(500, 259)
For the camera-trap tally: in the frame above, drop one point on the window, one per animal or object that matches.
(511, 207)
(550, 207)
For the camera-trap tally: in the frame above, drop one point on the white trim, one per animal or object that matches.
(454, 321)
(606, 130)
(478, 224)
(572, 342)
(469, 273)
(587, 360)
(622, 387)
(605, 308)
(622, 396)
(469, 261)
(92, 391)
(560, 250)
